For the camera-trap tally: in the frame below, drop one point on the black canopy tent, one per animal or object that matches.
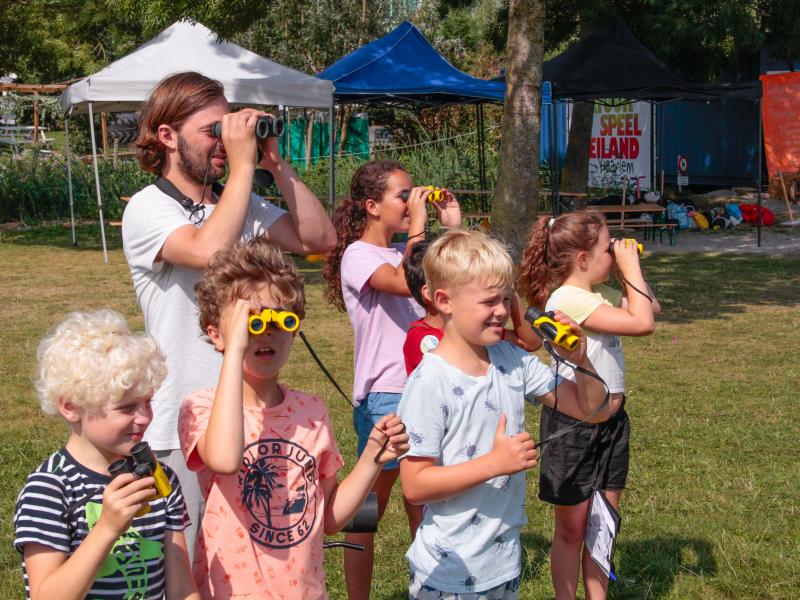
(612, 63)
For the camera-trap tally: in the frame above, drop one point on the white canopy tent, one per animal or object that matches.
(249, 79)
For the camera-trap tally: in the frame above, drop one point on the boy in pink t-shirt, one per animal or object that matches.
(266, 455)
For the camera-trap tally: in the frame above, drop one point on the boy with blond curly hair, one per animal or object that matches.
(82, 534)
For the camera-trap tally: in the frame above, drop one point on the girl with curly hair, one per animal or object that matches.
(365, 277)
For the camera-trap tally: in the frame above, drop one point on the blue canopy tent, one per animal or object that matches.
(403, 69)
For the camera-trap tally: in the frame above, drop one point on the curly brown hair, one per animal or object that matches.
(171, 102)
(350, 220)
(548, 258)
(237, 273)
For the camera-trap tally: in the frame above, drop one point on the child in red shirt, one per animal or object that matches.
(424, 334)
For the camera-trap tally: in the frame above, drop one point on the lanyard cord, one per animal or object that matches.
(345, 396)
(635, 288)
(578, 369)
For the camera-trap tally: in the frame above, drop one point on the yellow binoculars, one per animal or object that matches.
(558, 333)
(283, 319)
(142, 463)
(626, 240)
(436, 195)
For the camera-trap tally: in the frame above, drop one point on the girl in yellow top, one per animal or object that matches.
(570, 258)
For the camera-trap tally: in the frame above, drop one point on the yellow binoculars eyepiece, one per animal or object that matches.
(626, 240)
(558, 333)
(283, 319)
(436, 195)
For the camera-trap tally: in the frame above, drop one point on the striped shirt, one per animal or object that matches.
(135, 566)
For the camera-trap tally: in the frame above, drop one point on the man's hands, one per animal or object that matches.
(512, 454)
(392, 427)
(239, 137)
(124, 497)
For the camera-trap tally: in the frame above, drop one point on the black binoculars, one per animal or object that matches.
(142, 463)
(266, 126)
(549, 328)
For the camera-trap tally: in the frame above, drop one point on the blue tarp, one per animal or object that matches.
(402, 67)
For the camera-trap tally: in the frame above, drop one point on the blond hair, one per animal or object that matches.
(93, 360)
(460, 257)
(237, 273)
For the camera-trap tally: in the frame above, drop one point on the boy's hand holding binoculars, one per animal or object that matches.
(124, 496)
(392, 427)
(233, 325)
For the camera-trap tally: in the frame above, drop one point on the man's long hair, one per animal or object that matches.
(171, 102)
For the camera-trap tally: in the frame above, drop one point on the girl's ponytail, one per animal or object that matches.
(534, 272)
(350, 220)
(549, 257)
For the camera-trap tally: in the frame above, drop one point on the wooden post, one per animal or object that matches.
(35, 118)
(624, 194)
(309, 138)
(104, 129)
(786, 197)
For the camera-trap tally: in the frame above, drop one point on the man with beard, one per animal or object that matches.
(172, 228)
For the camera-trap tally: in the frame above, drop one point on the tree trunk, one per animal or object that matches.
(516, 197)
(575, 175)
(576, 167)
(346, 112)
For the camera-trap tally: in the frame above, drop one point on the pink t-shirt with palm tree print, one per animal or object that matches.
(261, 535)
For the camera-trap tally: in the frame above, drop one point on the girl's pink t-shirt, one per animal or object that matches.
(261, 535)
(380, 320)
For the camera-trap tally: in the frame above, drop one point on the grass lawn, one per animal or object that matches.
(712, 505)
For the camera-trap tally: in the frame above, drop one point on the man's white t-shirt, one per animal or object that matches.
(166, 294)
(604, 350)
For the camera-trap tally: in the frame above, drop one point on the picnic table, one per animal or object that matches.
(635, 220)
(19, 136)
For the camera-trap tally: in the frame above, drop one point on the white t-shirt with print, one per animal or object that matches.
(604, 350)
(470, 542)
(166, 294)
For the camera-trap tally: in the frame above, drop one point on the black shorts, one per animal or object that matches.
(590, 456)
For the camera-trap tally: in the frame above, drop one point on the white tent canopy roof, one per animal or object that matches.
(248, 78)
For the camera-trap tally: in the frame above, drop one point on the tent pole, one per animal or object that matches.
(69, 183)
(332, 166)
(554, 156)
(653, 149)
(97, 184)
(553, 198)
(661, 146)
(758, 169)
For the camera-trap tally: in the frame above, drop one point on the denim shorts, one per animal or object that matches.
(372, 410)
(505, 591)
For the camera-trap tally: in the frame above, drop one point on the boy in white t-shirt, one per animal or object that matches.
(464, 410)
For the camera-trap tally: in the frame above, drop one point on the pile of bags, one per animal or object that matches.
(718, 217)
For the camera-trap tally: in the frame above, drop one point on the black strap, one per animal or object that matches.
(345, 396)
(560, 360)
(166, 186)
